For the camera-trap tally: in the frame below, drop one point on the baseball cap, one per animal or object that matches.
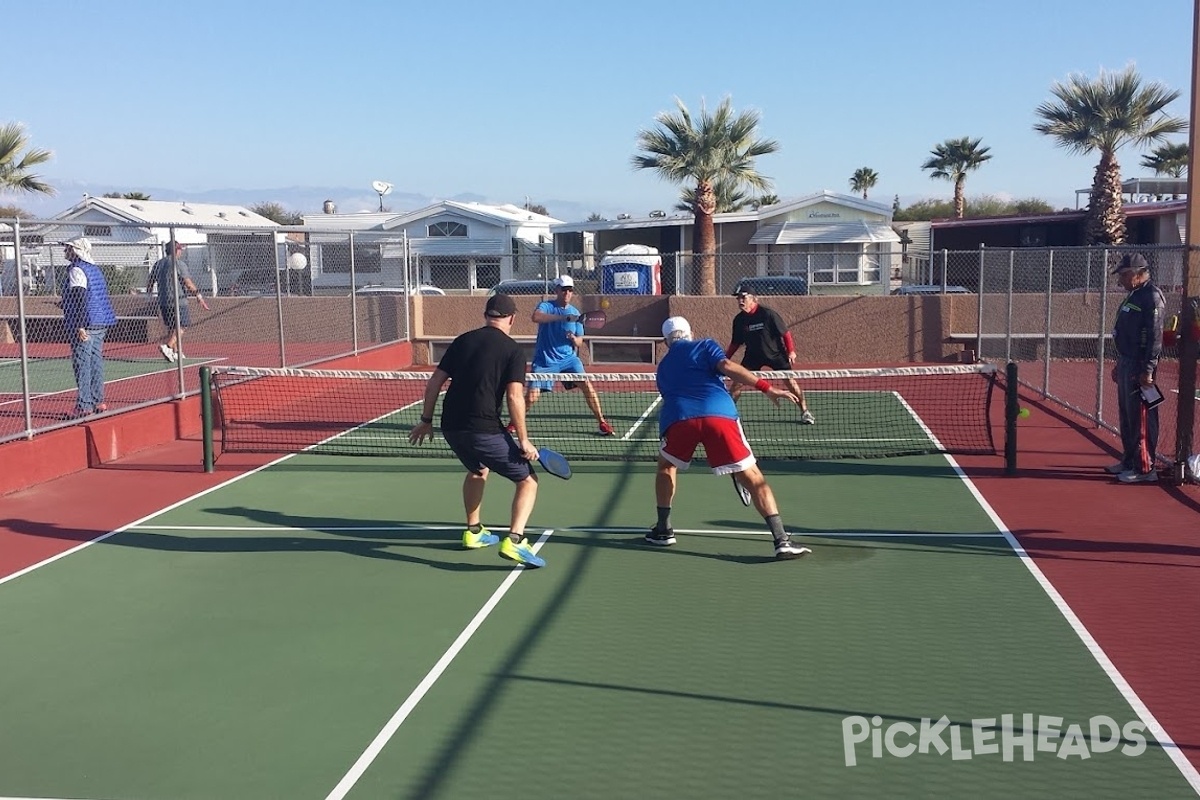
(500, 305)
(1131, 261)
(82, 248)
(564, 282)
(676, 325)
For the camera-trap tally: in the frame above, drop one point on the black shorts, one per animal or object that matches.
(761, 364)
(495, 451)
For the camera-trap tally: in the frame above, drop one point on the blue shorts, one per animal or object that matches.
(495, 451)
(571, 364)
(166, 310)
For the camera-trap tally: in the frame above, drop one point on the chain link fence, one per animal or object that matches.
(263, 290)
(295, 296)
(1052, 312)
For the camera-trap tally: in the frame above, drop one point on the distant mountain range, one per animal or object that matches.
(303, 199)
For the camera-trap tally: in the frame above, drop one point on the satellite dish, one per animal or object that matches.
(381, 188)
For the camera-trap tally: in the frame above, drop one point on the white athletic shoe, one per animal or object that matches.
(167, 352)
(807, 418)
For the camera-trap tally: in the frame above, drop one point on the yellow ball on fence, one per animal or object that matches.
(604, 303)
(1023, 413)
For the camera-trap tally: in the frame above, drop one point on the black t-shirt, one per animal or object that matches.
(481, 363)
(762, 335)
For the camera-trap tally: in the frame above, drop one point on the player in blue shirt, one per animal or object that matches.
(559, 337)
(697, 409)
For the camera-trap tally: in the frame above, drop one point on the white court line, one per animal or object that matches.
(1185, 767)
(1173, 751)
(138, 522)
(653, 405)
(389, 730)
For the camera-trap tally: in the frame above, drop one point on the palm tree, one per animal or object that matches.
(1169, 158)
(16, 160)
(718, 146)
(863, 179)
(1103, 115)
(952, 160)
(765, 200)
(730, 197)
(127, 195)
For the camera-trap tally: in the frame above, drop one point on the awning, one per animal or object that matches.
(859, 232)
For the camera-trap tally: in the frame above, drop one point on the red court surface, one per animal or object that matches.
(1125, 559)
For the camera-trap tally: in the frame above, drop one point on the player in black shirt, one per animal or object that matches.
(768, 345)
(485, 366)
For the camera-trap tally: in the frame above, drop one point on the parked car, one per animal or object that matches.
(538, 287)
(256, 281)
(772, 284)
(426, 289)
(931, 289)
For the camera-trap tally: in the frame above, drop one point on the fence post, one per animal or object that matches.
(1049, 322)
(979, 309)
(353, 293)
(1012, 412)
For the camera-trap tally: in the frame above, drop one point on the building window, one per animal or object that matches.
(442, 229)
(97, 231)
(830, 264)
(1033, 236)
(335, 258)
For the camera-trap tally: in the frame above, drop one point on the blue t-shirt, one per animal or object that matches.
(552, 342)
(690, 384)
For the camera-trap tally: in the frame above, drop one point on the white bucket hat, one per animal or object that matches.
(82, 248)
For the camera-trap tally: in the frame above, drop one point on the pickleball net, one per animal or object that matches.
(860, 413)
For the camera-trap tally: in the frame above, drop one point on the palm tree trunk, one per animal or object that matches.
(704, 238)
(960, 197)
(1106, 212)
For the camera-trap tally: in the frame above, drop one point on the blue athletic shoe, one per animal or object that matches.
(474, 541)
(520, 552)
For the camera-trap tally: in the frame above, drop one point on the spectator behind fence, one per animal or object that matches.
(1137, 337)
(172, 297)
(87, 314)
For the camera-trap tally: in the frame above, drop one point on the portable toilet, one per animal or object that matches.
(631, 269)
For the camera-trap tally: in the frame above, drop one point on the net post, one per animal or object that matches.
(1011, 412)
(206, 416)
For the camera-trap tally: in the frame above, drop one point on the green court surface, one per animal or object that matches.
(313, 630)
(48, 375)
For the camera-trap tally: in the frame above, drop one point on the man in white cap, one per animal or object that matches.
(697, 409)
(87, 316)
(559, 337)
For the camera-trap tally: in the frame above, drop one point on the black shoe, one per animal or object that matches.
(786, 549)
(661, 537)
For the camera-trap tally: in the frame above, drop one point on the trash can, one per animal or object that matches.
(631, 269)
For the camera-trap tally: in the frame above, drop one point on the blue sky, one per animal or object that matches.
(541, 99)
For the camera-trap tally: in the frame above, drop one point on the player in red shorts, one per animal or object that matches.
(697, 409)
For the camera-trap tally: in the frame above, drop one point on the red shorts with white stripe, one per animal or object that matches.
(723, 439)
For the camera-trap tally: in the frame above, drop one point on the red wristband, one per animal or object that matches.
(763, 385)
